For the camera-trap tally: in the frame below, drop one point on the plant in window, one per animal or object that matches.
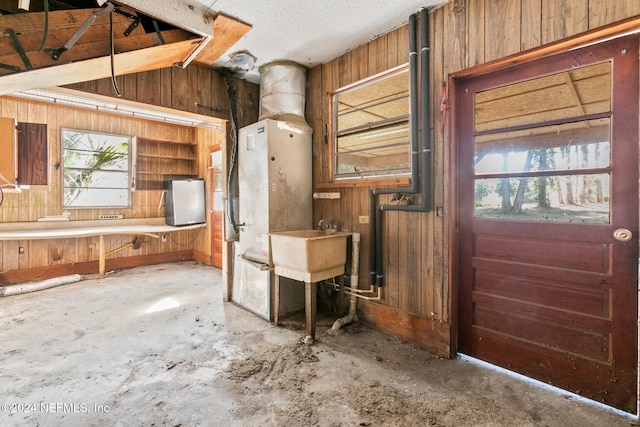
(96, 169)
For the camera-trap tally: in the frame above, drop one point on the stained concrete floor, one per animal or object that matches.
(157, 346)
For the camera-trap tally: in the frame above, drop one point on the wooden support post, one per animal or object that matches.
(101, 257)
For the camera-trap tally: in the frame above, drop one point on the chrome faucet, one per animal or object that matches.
(323, 224)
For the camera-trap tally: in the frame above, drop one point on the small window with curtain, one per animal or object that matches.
(371, 138)
(96, 169)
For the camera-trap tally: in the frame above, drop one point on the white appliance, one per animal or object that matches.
(275, 194)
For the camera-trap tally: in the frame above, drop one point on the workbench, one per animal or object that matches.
(152, 227)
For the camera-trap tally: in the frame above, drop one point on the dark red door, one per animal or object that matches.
(547, 166)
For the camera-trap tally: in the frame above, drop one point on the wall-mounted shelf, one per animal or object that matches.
(159, 159)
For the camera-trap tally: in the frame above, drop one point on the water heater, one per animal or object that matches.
(185, 202)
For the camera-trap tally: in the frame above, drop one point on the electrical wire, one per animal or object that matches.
(189, 243)
(113, 71)
(46, 25)
(233, 98)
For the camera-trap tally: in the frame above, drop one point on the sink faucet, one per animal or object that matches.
(324, 224)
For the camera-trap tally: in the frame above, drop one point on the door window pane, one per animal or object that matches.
(556, 198)
(569, 146)
(571, 93)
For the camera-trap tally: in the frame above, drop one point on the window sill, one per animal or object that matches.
(364, 183)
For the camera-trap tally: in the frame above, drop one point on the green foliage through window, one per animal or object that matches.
(96, 169)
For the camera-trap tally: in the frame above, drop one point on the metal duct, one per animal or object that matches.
(283, 93)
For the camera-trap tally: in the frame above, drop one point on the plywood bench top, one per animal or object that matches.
(75, 229)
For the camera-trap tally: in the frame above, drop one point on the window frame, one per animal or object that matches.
(130, 169)
(379, 175)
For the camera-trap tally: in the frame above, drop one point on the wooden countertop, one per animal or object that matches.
(76, 229)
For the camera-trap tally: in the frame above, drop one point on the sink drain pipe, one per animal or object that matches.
(375, 253)
(6, 291)
(353, 299)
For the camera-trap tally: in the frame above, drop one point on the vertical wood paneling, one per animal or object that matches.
(455, 36)
(314, 106)
(605, 12)
(391, 258)
(377, 60)
(502, 31)
(409, 262)
(360, 63)
(563, 18)
(531, 29)
(437, 280)
(476, 24)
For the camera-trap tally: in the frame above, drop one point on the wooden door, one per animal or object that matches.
(547, 167)
(217, 216)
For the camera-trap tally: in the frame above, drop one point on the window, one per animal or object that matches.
(543, 148)
(371, 127)
(96, 169)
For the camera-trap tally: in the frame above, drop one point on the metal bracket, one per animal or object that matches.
(134, 24)
(156, 27)
(55, 53)
(18, 46)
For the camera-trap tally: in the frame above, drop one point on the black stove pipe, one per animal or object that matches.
(425, 187)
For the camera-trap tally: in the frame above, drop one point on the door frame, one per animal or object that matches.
(600, 35)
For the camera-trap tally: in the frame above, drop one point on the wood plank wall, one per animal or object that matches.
(194, 89)
(418, 292)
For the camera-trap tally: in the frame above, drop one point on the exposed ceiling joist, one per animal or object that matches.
(152, 58)
(227, 31)
(24, 64)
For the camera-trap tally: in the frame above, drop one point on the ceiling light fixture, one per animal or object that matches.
(105, 104)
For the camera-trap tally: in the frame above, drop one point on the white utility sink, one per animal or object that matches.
(309, 255)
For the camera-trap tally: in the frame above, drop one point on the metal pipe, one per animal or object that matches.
(355, 266)
(379, 273)
(378, 297)
(425, 186)
(425, 96)
(372, 237)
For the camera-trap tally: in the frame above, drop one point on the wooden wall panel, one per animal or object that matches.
(417, 251)
(531, 29)
(563, 18)
(40, 201)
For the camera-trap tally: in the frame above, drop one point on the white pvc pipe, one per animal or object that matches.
(5, 291)
(355, 266)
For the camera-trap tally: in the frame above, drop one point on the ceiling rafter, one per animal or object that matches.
(24, 59)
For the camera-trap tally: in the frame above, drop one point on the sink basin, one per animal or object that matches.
(309, 255)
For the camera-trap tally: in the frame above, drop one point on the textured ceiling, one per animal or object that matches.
(310, 32)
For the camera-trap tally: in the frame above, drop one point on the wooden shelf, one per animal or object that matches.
(159, 159)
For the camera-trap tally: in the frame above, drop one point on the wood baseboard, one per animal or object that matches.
(432, 335)
(202, 257)
(39, 273)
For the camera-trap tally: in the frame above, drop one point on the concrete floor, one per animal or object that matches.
(156, 346)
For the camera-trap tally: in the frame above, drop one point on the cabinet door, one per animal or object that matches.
(32, 154)
(8, 148)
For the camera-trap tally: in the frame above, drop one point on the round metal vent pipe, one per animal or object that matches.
(283, 93)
